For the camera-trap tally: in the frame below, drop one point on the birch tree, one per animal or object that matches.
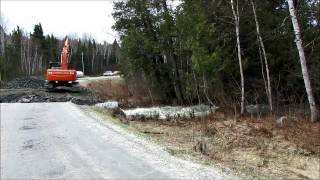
(266, 63)
(304, 68)
(2, 45)
(3, 29)
(235, 11)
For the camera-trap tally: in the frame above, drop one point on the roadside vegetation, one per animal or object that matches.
(249, 147)
(243, 56)
(254, 145)
(258, 61)
(228, 53)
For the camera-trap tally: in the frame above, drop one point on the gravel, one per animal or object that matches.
(73, 144)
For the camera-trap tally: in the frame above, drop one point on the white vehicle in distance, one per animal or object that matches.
(108, 73)
(79, 74)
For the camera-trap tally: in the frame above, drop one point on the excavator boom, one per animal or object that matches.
(64, 60)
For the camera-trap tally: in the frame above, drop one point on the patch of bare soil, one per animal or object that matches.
(257, 148)
(31, 89)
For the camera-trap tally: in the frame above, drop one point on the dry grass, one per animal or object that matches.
(109, 88)
(128, 94)
(258, 148)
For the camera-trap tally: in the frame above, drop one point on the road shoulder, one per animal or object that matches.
(180, 166)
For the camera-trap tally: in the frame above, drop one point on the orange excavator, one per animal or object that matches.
(59, 75)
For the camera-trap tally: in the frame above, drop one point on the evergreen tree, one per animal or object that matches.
(189, 52)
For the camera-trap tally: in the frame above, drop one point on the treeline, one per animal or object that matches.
(26, 54)
(192, 53)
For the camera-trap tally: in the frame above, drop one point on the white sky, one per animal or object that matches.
(61, 17)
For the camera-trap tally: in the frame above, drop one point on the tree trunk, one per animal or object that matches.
(262, 70)
(92, 61)
(108, 56)
(82, 62)
(172, 57)
(266, 63)
(104, 57)
(2, 41)
(197, 87)
(205, 90)
(29, 59)
(304, 68)
(236, 22)
(40, 65)
(176, 78)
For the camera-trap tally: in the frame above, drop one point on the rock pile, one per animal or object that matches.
(30, 98)
(108, 105)
(169, 112)
(25, 82)
(34, 97)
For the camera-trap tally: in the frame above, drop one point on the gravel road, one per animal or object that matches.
(60, 140)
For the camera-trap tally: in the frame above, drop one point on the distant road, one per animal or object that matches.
(59, 140)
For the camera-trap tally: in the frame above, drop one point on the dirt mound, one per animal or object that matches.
(33, 96)
(24, 82)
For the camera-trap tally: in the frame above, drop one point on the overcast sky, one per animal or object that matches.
(61, 17)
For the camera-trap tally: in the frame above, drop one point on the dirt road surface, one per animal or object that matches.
(60, 140)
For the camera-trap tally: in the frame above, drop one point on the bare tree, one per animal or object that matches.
(304, 68)
(92, 61)
(235, 12)
(3, 29)
(261, 44)
(109, 49)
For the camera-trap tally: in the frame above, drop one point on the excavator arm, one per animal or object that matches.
(65, 54)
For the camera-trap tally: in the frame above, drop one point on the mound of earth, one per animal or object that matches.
(32, 96)
(24, 82)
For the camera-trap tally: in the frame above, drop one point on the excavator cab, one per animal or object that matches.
(54, 65)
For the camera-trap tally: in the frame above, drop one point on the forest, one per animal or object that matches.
(232, 53)
(28, 54)
(199, 89)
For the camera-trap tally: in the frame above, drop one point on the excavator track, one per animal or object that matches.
(63, 86)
